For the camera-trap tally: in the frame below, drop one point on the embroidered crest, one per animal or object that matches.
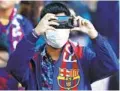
(68, 79)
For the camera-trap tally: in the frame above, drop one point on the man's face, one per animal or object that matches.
(4, 56)
(5, 4)
(61, 14)
(58, 37)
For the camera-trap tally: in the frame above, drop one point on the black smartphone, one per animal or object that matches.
(66, 22)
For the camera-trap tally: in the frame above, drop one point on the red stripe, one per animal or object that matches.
(74, 66)
(78, 50)
(12, 14)
(75, 88)
(63, 65)
(62, 81)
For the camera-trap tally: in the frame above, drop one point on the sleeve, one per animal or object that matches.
(18, 64)
(102, 60)
(27, 25)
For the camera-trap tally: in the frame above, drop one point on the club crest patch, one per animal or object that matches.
(68, 78)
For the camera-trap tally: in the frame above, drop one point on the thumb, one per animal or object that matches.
(81, 29)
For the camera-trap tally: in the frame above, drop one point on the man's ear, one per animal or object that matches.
(45, 35)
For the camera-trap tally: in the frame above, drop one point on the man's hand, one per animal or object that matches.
(45, 23)
(85, 26)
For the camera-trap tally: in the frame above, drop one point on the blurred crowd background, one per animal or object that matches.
(103, 14)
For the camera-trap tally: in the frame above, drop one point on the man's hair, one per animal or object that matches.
(55, 8)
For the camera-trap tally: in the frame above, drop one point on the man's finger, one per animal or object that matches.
(82, 29)
(84, 22)
(50, 28)
(78, 20)
(51, 17)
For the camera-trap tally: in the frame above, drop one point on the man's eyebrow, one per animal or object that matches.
(3, 59)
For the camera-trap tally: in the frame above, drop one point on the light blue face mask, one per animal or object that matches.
(57, 38)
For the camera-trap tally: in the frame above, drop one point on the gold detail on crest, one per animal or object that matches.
(68, 76)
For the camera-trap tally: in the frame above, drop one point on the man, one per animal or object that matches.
(14, 27)
(12, 24)
(61, 64)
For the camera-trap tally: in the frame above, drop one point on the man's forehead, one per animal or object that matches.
(60, 14)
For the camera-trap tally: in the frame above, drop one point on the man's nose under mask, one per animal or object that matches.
(57, 38)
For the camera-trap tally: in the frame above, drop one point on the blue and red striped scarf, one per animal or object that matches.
(12, 30)
(69, 78)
